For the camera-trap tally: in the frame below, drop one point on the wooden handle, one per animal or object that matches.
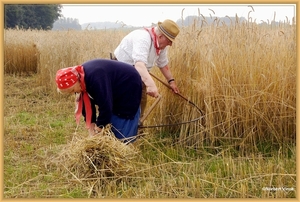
(150, 109)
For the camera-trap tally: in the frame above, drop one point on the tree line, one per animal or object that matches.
(66, 23)
(31, 16)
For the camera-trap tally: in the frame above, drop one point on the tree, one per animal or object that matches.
(13, 15)
(31, 16)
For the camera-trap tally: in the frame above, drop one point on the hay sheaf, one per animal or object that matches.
(100, 156)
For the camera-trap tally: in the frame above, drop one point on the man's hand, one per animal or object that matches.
(152, 91)
(147, 79)
(169, 77)
(174, 87)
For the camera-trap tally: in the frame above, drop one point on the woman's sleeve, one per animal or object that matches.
(101, 92)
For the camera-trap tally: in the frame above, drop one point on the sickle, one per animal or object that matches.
(180, 95)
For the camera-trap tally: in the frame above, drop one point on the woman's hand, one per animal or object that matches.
(94, 129)
(97, 129)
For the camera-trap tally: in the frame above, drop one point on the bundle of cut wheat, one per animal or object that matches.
(100, 156)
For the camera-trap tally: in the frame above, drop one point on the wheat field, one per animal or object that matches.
(242, 145)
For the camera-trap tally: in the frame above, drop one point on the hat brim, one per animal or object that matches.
(163, 31)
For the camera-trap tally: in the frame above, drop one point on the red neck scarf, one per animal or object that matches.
(83, 98)
(154, 39)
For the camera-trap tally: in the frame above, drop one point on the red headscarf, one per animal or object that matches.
(66, 78)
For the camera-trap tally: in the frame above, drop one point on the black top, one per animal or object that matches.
(115, 87)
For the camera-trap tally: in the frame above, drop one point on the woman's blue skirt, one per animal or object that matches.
(126, 129)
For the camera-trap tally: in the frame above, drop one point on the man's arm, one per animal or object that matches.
(147, 79)
(169, 77)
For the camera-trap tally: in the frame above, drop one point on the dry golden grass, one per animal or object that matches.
(55, 50)
(243, 77)
(99, 156)
(239, 75)
(21, 55)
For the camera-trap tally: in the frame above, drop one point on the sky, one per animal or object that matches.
(145, 15)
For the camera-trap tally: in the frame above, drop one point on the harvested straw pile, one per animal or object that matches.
(101, 156)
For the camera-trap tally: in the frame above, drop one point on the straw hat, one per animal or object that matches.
(169, 28)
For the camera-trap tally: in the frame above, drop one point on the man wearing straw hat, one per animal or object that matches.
(115, 87)
(145, 48)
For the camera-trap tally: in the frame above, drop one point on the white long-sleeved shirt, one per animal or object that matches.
(138, 46)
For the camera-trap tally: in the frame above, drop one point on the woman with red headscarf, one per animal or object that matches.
(115, 87)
